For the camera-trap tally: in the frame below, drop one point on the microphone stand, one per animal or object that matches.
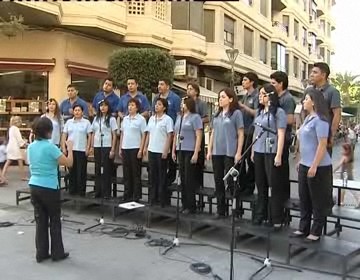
(101, 221)
(234, 173)
(176, 241)
(267, 261)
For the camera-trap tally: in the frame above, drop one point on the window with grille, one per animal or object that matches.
(160, 10)
(229, 26)
(136, 7)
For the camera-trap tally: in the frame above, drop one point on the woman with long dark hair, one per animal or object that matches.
(226, 142)
(314, 167)
(44, 158)
(187, 143)
(132, 140)
(156, 149)
(103, 141)
(53, 114)
(267, 154)
(78, 130)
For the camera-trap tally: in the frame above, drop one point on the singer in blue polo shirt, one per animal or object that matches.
(173, 110)
(66, 106)
(107, 93)
(133, 92)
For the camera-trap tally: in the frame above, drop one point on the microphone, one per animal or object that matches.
(265, 128)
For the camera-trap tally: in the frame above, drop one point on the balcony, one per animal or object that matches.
(195, 51)
(82, 17)
(280, 33)
(320, 9)
(279, 5)
(315, 57)
(216, 57)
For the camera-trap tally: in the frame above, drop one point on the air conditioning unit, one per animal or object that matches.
(192, 71)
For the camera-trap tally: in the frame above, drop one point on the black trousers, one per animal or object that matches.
(285, 171)
(171, 172)
(158, 167)
(132, 174)
(267, 175)
(77, 174)
(189, 180)
(247, 171)
(47, 210)
(315, 199)
(103, 175)
(221, 165)
(199, 174)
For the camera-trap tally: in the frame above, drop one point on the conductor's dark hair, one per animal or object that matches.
(42, 128)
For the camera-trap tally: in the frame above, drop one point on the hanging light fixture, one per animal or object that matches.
(13, 26)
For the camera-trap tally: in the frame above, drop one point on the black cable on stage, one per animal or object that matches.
(6, 224)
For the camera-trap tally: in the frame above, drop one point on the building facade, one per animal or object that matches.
(70, 42)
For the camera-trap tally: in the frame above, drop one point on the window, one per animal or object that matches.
(322, 26)
(136, 7)
(264, 7)
(313, 43)
(263, 49)
(87, 86)
(229, 25)
(305, 5)
(328, 57)
(296, 29)
(160, 10)
(322, 53)
(328, 30)
(286, 22)
(248, 41)
(296, 67)
(303, 71)
(287, 63)
(304, 36)
(278, 57)
(25, 84)
(312, 10)
(209, 25)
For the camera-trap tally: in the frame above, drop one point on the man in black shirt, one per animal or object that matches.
(280, 81)
(248, 105)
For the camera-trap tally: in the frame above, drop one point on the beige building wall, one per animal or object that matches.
(62, 46)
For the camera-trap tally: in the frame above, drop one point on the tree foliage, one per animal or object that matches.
(147, 65)
(349, 87)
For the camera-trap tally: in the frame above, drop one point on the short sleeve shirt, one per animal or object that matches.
(332, 98)
(287, 103)
(43, 164)
(251, 100)
(132, 129)
(189, 125)
(174, 103)
(66, 107)
(98, 127)
(124, 100)
(310, 133)
(225, 129)
(77, 131)
(269, 120)
(158, 129)
(112, 98)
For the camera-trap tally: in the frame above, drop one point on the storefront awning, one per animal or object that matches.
(205, 94)
(86, 70)
(25, 64)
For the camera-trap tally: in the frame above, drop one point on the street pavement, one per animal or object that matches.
(95, 255)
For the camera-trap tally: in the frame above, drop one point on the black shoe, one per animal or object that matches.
(63, 257)
(41, 259)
